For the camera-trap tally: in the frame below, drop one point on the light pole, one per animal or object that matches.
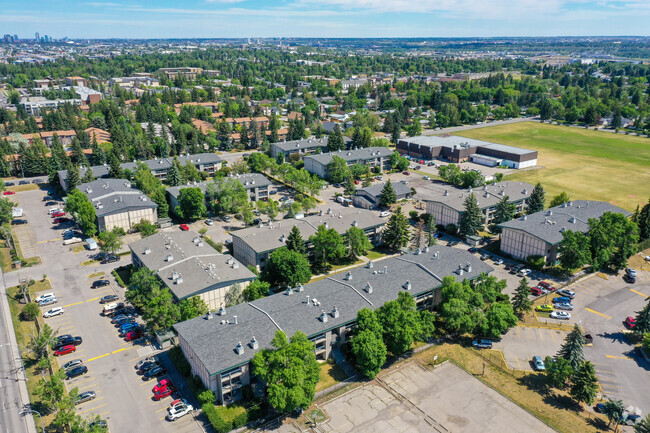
(23, 412)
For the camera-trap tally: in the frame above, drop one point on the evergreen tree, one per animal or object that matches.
(430, 229)
(335, 140)
(72, 178)
(585, 383)
(642, 325)
(613, 410)
(505, 211)
(88, 176)
(115, 170)
(295, 242)
(397, 230)
(99, 156)
(571, 350)
(174, 177)
(537, 200)
(78, 156)
(417, 238)
(349, 188)
(521, 302)
(387, 196)
(471, 221)
(643, 221)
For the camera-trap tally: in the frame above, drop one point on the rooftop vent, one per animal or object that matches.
(348, 276)
(502, 192)
(563, 205)
(426, 249)
(418, 252)
(572, 220)
(147, 250)
(468, 267)
(524, 217)
(327, 225)
(484, 187)
(89, 190)
(127, 184)
(435, 255)
(354, 223)
(335, 312)
(525, 191)
(168, 246)
(569, 203)
(222, 311)
(196, 240)
(407, 285)
(239, 349)
(300, 288)
(175, 275)
(368, 287)
(179, 280)
(446, 193)
(487, 194)
(459, 271)
(563, 229)
(385, 269)
(209, 316)
(550, 212)
(169, 258)
(235, 317)
(254, 344)
(370, 265)
(235, 265)
(283, 238)
(323, 316)
(316, 302)
(288, 292)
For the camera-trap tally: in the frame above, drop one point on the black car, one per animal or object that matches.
(18, 222)
(473, 250)
(154, 372)
(50, 203)
(100, 283)
(148, 366)
(629, 279)
(119, 321)
(100, 423)
(108, 298)
(9, 184)
(110, 259)
(23, 182)
(76, 371)
(63, 337)
(119, 312)
(65, 342)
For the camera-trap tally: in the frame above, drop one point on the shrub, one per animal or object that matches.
(646, 343)
(452, 229)
(247, 393)
(218, 423)
(413, 215)
(177, 357)
(536, 262)
(240, 420)
(206, 397)
(216, 245)
(31, 311)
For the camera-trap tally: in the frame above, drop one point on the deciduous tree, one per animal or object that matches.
(191, 203)
(328, 246)
(286, 268)
(558, 371)
(357, 242)
(562, 197)
(574, 250)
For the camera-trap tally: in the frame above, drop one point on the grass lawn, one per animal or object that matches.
(96, 275)
(526, 389)
(330, 374)
(19, 188)
(5, 257)
(228, 413)
(581, 162)
(374, 255)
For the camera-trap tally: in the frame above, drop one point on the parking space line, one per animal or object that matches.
(610, 386)
(119, 350)
(617, 357)
(97, 357)
(600, 314)
(83, 381)
(552, 337)
(94, 408)
(517, 358)
(76, 303)
(86, 387)
(93, 299)
(51, 240)
(639, 293)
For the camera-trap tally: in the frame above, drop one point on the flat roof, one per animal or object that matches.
(308, 143)
(272, 236)
(248, 181)
(450, 141)
(486, 195)
(110, 196)
(213, 340)
(549, 224)
(200, 266)
(364, 154)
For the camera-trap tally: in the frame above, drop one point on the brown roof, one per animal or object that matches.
(203, 126)
(294, 115)
(101, 135)
(68, 133)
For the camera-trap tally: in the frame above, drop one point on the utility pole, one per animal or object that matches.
(25, 411)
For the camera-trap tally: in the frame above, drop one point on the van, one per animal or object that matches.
(109, 307)
(91, 244)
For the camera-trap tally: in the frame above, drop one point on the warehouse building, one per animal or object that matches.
(219, 346)
(371, 156)
(189, 267)
(461, 149)
(540, 234)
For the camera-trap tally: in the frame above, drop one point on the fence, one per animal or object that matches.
(336, 387)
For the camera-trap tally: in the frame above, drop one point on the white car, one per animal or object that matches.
(209, 222)
(498, 261)
(179, 411)
(426, 178)
(176, 404)
(45, 296)
(53, 312)
(524, 272)
(564, 306)
(54, 210)
(562, 315)
(647, 258)
(384, 214)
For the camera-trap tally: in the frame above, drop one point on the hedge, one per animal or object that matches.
(177, 357)
(218, 423)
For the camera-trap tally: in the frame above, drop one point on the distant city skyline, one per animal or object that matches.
(326, 18)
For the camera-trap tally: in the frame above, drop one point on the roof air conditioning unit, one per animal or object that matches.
(239, 349)
(147, 250)
(235, 265)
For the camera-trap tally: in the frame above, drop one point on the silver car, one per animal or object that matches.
(71, 364)
(48, 301)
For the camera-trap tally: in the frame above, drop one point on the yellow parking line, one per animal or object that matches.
(119, 350)
(160, 410)
(541, 336)
(552, 337)
(76, 303)
(517, 358)
(610, 386)
(84, 381)
(51, 240)
(97, 357)
(93, 299)
(86, 387)
(639, 293)
(94, 408)
(600, 314)
(617, 357)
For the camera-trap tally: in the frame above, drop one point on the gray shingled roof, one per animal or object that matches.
(201, 267)
(214, 341)
(487, 195)
(376, 188)
(110, 196)
(364, 154)
(307, 143)
(273, 236)
(549, 224)
(248, 180)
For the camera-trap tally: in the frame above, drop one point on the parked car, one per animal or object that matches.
(524, 272)
(125, 328)
(209, 222)
(227, 219)
(75, 341)
(473, 250)
(71, 364)
(599, 408)
(630, 322)
(84, 397)
(498, 261)
(48, 301)
(18, 222)
(536, 291)
(58, 213)
(545, 308)
(8, 193)
(564, 306)
(53, 312)
(146, 366)
(100, 283)
(485, 256)
(384, 214)
(44, 296)
(154, 372)
(482, 344)
(176, 403)
(631, 272)
(561, 299)
(184, 227)
(108, 298)
(61, 220)
(163, 384)
(164, 393)
(452, 243)
(76, 371)
(122, 319)
(23, 182)
(64, 350)
(629, 279)
(538, 363)
(179, 411)
(9, 184)
(567, 293)
(110, 259)
(562, 315)
(134, 335)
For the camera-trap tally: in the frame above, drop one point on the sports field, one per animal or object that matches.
(587, 164)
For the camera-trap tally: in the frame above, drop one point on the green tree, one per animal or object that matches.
(110, 241)
(191, 203)
(369, 352)
(31, 311)
(504, 211)
(39, 344)
(558, 371)
(328, 247)
(471, 221)
(174, 176)
(643, 221)
(6, 210)
(537, 200)
(82, 210)
(335, 140)
(192, 307)
(521, 302)
(613, 239)
(290, 371)
(430, 230)
(51, 390)
(357, 242)
(396, 234)
(574, 250)
(387, 196)
(642, 325)
(562, 197)
(255, 290)
(286, 268)
(160, 311)
(499, 317)
(571, 350)
(141, 285)
(400, 322)
(115, 169)
(613, 410)
(337, 170)
(146, 228)
(72, 178)
(585, 383)
(295, 242)
(643, 426)
(230, 196)
(460, 307)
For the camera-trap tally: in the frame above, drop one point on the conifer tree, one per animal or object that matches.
(295, 242)
(471, 221)
(571, 350)
(387, 196)
(537, 200)
(521, 302)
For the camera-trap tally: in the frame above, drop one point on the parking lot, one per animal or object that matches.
(122, 397)
(521, 343)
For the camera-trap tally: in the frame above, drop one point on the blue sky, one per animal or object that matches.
(323, 18)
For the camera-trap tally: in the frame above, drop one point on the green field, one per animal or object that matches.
(587, 164)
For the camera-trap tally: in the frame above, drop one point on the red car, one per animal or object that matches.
(163, 384)
(163, 389)
(8, 193)
(164, 393)
(58, 214)
(134, 335)
(356, 182)
(630, 322)
(184, 227)
(407, 173)
(65, 350)
(61, 220)
(547, 286)
(536, 291)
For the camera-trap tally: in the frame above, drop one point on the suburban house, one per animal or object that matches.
(220, 345)
(368, 197)
(255, 184)
(460, 149)
(302, 147)
(539, 234)
(371, 156)
(447, 204)
(118, 204)
(207, 162)
(253, 245)
(189, 267)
